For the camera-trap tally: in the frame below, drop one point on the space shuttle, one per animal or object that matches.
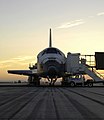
(50, 64)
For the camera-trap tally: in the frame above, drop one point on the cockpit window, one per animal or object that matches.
(51, 50)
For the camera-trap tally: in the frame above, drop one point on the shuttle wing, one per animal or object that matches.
(23, 72)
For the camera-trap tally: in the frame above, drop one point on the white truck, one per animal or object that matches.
(77, 68)
(77, 80)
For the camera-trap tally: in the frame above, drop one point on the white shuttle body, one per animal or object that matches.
(50, 64)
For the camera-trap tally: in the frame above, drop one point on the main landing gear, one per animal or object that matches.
(35, 81)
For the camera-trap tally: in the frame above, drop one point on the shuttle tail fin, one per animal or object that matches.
(50, 39)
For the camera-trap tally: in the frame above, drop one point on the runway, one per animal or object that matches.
(51, 103)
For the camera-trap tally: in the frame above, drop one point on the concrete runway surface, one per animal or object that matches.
(51, 103)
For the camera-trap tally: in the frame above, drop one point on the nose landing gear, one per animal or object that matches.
(52, 81)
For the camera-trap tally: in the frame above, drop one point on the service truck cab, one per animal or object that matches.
(76, 80)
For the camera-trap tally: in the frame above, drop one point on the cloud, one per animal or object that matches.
(77, 22)
(72, 23)
(91, 16)
(21, 60)
(100, 14)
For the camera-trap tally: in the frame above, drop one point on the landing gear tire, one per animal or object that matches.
(90, 84)
(36, 81)
(72, 84)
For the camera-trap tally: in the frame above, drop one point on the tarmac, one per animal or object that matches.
(51, 103)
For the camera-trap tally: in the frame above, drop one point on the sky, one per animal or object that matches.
(77, 27)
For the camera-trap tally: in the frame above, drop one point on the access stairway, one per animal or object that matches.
(97, 77)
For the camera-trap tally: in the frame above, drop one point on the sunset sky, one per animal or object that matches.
(77, 27)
